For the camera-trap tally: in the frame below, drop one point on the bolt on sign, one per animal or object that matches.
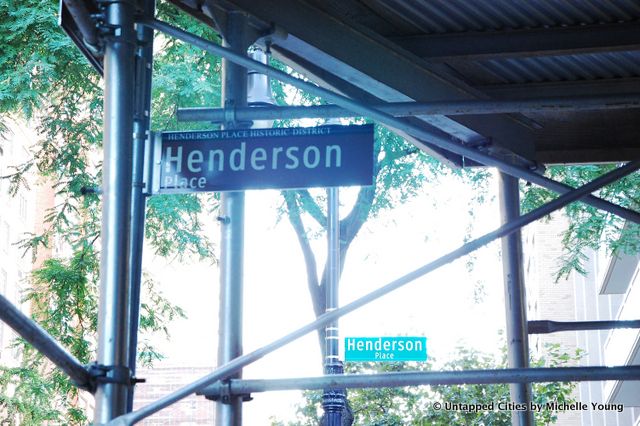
(275, 158)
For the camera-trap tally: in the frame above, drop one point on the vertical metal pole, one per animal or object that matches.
(141, 123)
(333, 278)
(334, 400)
(515, 298)
(234, 89)
(113, 327)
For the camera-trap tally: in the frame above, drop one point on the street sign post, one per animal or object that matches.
(276, 158)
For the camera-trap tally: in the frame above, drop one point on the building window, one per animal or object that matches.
(5, 238)
(19, 284)
(23, 207)
(3, 291)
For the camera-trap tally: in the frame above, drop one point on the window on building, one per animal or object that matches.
(5, 238)
(23, 207)
(3, 291)
(8, 148)
(19, 285)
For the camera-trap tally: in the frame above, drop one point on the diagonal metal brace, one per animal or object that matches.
(45, 343)
(111, 374)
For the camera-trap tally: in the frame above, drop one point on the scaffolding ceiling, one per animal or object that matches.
(455, 50)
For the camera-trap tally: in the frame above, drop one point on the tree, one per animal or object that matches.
(46, 81)
(400, 171)
(419, 405)
(590, 228)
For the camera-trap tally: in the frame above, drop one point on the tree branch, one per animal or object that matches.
(351, 225)
(315, 290)
(353, 222)
(310, 206)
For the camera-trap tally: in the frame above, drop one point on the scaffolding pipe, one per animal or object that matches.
(431, 378)
(434, 137)
(545, 326)
(412, 109)
(333, 400)
(234, 92)
(141, 123)
(33, 333)
(515, 299)
(113, 311)
(236, 364)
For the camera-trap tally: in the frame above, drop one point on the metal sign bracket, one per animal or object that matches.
(231, 120)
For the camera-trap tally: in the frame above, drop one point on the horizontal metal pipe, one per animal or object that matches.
(419, 378)
(45, 344)
(437, 138)
(410, 109)
(236, 364)
(544, 326)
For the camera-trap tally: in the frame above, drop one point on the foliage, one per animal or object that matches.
(63, 301)
(45, 80)
(415, 405)
(156, 312)
(590, 228)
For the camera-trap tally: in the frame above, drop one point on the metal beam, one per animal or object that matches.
(545, 326)
(432, 378)
(86, 25)
(524, 43)
(45, 344)
(439, 139)
(235, 365)
(410, 109)
(373, 63)
(113, 318)
(77, 23)
(527, 91)
(330, 81)
(141, 123)
(585, 156)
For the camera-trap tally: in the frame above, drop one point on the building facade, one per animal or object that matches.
(17, 218)
(163, 380)
(609, 290)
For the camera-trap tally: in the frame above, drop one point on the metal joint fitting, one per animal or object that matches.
(223, 395)
(230, 118)
(224, 219)
(112, 32)
(111, 374)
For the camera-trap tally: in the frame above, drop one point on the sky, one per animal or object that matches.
(451, 306)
